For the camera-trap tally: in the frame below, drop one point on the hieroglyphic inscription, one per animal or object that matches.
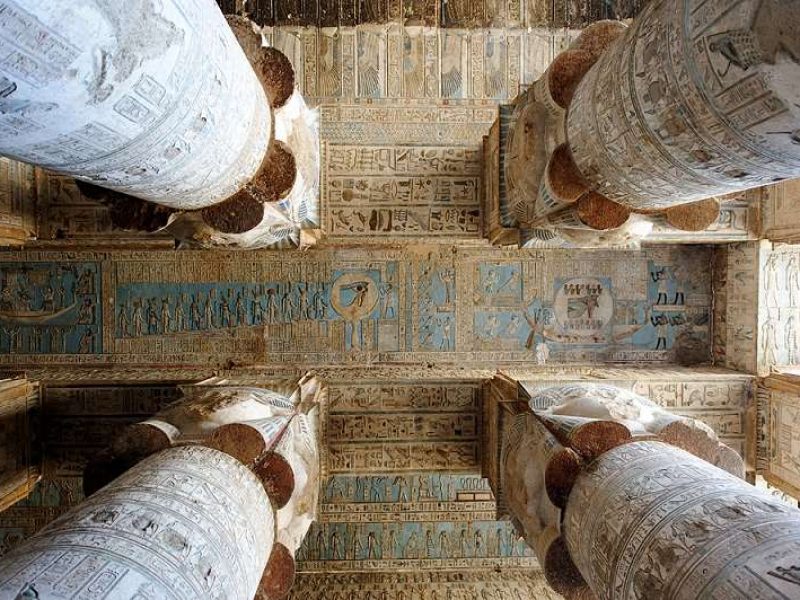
(471, 584)
(50, 308)
(590, 305)
(779, 307)
(395, 398)
(401, 190)
(499, 14)
(412, 123)
(76, 422)
(18, 201)
(735, 284)
(780, 451)
(780, 217)
(20, 450)
(647, 510)
(406, 497)
(371, 428)
(438, 545)
(404, 484)
(629, 124)
(200, 499)
(370, 62)
(737, 222)
(133, 135)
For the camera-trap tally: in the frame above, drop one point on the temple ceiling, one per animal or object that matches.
(406, 91)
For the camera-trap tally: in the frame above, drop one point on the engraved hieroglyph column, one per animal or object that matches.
(621, 501)
(188, 523)
(273, 433)
(153, 99)
(647, 520)
(697, 98)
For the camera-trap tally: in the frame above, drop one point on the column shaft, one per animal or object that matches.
(188, 523)
(20, 456)
(649, 521)
(153, 99)
(698, 98)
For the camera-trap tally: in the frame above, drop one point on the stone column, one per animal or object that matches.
(17, 203)
(551, 485)
(648, 520)
(152, 99)
(20, 455)
(697, 98)
(271, 432)
(187, 523)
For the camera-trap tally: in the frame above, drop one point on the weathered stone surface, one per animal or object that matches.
(714, 109)
(647, 520)
(21, 459)
(180, 525)
(127, 126)
(777, 435)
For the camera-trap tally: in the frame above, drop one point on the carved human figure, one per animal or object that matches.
(86, 342)
(123, 321)
(180, 314)
(239, 309)
(209, 320)
(166, 317)
(225, 312)
(257, 309)
(771, 278)
(386, 292)
(769, 340)
(792, 279)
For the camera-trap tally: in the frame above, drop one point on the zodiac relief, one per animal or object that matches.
(583, 307)
(580, 314)
(358, 298)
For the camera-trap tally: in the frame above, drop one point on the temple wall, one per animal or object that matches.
(779, 432)
(780, 212)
